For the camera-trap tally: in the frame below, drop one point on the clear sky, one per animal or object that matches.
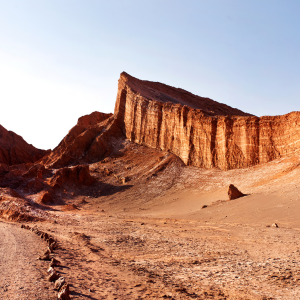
(61, 59)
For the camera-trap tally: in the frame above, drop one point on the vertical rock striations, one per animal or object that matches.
(202, 132)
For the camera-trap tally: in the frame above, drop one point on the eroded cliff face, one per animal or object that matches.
(88, 141)
(15, 150)
(202, 132)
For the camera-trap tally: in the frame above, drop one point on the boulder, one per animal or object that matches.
(234, 193)
(45, 197)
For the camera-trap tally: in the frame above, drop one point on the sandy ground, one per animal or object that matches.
(150, 238)
(22, 276)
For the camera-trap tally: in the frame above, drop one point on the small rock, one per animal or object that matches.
(45, 256)
(46, 236)
(204, 206)
(54, 262)
(275, 225)
(53, 276)
(234, 193)
(64, 293)
(50, 240)
(59, 283)
(51, 247)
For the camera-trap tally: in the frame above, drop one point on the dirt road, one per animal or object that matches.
(22, 276)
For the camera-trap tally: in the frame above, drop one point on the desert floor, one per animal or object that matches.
(151, 238)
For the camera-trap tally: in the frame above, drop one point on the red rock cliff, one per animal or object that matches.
(88, 141)
(202, 132)
(14, 150)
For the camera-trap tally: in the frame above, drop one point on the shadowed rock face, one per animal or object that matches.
(78, 175)
(234, 193)
(14, 150)
(88, 141)
(202, 132)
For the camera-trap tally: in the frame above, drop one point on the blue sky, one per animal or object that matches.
(61, 59)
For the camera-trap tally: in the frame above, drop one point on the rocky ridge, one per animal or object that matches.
(14, 150)
(202, 132)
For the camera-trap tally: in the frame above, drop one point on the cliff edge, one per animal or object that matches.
(202, 132)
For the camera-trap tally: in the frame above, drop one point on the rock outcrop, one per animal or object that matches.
(86, 142)
(92, 119)
(14, 150)
(234, 193)
(45, 197)
(78, 175)
(200, 131)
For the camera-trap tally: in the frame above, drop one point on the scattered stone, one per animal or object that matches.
(46, 236)
(53, 276)
(275, 225)
(52, 247)
(50, 270)
(45, 256)
(64, 293)
(204, 206)
(50, 241)
(59, 283)
(234, 193)
(54, 262)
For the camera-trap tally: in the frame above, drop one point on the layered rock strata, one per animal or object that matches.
(200, 131)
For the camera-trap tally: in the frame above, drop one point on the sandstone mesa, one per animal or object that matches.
(202, 132)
